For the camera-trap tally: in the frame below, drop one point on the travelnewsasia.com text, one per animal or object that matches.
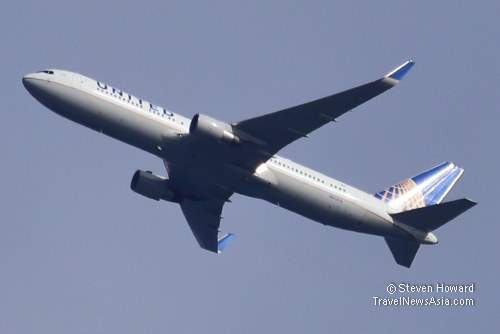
(433, 301)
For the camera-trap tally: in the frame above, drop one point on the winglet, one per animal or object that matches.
(224, 241)
(401, 71)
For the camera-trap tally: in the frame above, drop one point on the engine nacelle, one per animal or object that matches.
(153, 186)
(212, 129)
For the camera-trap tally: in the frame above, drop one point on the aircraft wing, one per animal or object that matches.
(202, 207)
(281, 128)
(203, 218)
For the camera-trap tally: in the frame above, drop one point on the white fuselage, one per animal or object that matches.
(156, 130)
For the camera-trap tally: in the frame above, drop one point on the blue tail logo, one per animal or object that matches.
(423, 190)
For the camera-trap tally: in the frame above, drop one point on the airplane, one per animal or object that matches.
(208, 160)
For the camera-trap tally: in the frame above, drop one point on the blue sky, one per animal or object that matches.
(81, 253)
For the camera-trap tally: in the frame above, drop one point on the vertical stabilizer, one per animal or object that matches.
(423, 190)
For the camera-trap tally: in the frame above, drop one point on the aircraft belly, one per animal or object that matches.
(329, 208)
(309, 202)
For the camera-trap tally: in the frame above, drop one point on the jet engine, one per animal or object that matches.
(153, 186)
(212, 129)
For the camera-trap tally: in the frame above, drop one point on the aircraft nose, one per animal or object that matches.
(29, 82)
(38, 87)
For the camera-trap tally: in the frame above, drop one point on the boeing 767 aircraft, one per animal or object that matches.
(208, 161)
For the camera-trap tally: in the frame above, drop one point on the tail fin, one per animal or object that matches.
(423, 190)
(419, 212)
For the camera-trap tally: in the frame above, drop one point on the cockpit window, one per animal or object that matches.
(48, 72)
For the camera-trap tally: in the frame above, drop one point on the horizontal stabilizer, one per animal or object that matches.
(403, 251)
(224, 241)
(432, 217)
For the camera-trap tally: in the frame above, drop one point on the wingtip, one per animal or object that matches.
(472, 202)
(401, 71)
(224, 241)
